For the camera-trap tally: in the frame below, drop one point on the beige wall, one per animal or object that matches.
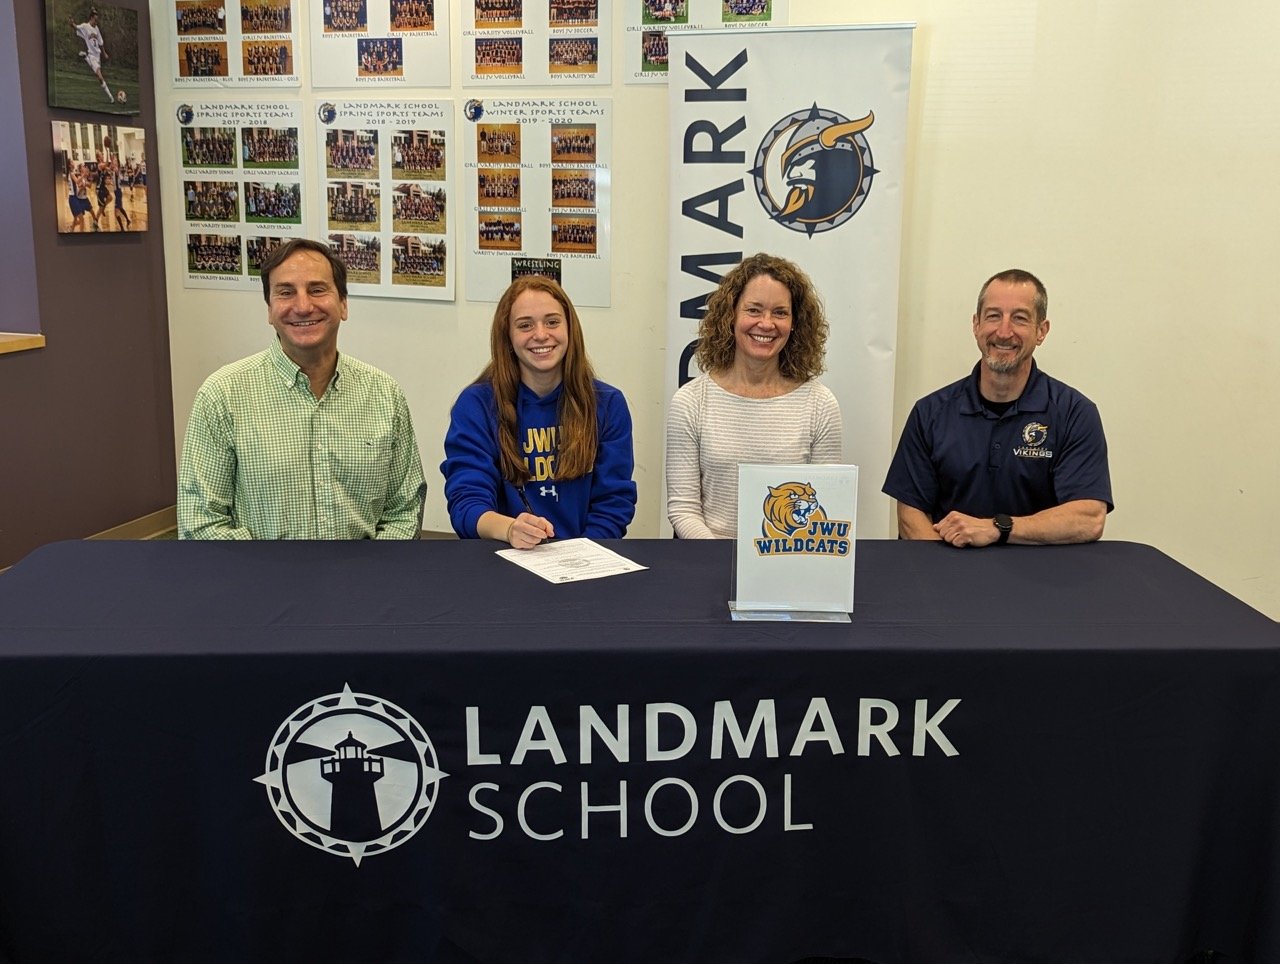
(1125, 152)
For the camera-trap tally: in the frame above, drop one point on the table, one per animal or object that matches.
(1106, 788)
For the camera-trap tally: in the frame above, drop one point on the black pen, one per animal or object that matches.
(524, 499)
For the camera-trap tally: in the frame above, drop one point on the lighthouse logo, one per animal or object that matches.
(351, 774)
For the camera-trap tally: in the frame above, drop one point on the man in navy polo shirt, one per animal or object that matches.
(1007, 454)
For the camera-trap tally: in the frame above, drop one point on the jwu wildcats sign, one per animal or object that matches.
(796, 541)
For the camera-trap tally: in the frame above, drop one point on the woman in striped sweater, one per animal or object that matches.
(762, 344)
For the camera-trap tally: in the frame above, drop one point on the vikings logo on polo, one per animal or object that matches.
(1034, 435)
(813, 169)
(351, 774)
(795, 522)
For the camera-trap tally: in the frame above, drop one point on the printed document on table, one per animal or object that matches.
(571, 560)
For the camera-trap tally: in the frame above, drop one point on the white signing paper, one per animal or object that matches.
(571, 560)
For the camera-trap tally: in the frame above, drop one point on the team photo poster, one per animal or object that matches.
(242, 187)
(388, 202)
(649, 22)
(536, 184)
(235, 43)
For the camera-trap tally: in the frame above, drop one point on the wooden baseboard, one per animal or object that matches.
(148, 527)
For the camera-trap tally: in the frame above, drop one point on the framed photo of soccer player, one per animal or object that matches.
(92, 56)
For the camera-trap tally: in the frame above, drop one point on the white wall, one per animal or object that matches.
(435, 349)
(1125, 152)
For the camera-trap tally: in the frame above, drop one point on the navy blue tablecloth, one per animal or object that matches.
(1019, 754)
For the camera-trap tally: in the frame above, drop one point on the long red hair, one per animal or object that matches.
(576, 455)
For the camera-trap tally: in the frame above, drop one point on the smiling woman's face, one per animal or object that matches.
(540, 338)
(762, 319)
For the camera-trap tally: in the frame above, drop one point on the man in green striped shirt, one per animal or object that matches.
(298, 441)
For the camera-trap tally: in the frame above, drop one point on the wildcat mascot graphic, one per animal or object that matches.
(795, 522)
(789, 507)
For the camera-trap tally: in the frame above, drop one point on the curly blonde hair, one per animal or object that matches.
(803, 356)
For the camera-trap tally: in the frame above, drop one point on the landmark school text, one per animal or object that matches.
(671, 806)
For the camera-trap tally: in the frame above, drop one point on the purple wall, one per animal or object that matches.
(19, 306)
(86, 423)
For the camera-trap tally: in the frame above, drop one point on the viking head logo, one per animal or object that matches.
(813, 169)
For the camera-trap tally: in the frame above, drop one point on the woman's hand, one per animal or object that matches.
(528, 530)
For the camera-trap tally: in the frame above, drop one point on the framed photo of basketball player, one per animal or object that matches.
(92, 56)
(100, 177)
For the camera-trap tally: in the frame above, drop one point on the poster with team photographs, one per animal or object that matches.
(241, 185)
(647, 23)
(380, 43)
(388, 169)
(236, 43)
(546, 42)
(99, 177)
(92, 56)
(536, 198)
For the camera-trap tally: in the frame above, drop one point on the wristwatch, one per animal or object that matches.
(1005, 524)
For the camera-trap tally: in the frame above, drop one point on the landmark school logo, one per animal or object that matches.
(1034, 435)
(796, 524)
(351, 774)
(813, 169)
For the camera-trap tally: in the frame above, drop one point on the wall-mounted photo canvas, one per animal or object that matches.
(92, 56)
(100, 177)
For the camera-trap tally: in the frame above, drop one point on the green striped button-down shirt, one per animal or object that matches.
(264, 459)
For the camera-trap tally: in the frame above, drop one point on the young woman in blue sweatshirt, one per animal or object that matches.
(537, 447)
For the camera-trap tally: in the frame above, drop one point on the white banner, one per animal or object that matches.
(793, 141)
